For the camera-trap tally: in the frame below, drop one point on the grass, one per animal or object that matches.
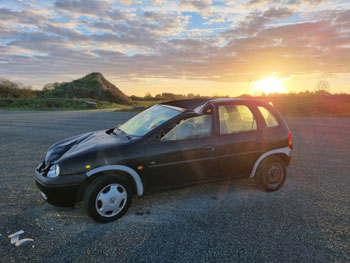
(55, 104)
(68, 104)
(292, 105)
(312, 105)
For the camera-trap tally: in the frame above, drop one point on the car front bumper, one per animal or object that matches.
(61, 190)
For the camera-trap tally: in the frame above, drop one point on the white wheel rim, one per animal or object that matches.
(111, 200)
(274, 175)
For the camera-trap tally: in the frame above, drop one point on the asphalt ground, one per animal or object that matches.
(308, 220)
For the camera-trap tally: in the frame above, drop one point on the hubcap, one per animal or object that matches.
(274, 175)
(111, 200)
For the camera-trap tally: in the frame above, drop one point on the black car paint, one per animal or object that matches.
(175, 163)
(183, 162)
(165, 164)
(74, 154)
(95, 149)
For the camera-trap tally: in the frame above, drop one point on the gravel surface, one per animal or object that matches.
(308, 220)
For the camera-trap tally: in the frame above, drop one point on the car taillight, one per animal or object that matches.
(290, 146)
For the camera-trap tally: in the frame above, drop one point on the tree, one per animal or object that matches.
(9, 89)
(322, 86)
(48, 87)
(148, 95)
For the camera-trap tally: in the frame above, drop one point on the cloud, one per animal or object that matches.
(198, 4)
(116, 15)
(258, 3)
(201, 6)
(94, 7)
(152, 41)
(261, 2)
(257, 20)
(157, 2)
(147, 31)
(23, 17)
(151, 15)
(343, 17)
(278, 12)
(253, 23)
(303, 2)
(127, 2)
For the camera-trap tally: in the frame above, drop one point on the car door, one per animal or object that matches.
(184, 154)
(240, 140)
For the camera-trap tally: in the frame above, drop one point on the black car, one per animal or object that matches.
(168, 145)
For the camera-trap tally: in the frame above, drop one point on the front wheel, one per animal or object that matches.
(107, 198)
(271, 173)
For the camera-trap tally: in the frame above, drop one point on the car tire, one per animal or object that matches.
(271, 173)
(107, 198)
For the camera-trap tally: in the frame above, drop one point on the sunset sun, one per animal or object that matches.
(270, 85)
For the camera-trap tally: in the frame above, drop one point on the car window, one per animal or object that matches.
(148, 120)
(236, 118)
(270, 120)
(195, 127)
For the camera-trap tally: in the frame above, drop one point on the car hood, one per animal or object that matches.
(84, 143)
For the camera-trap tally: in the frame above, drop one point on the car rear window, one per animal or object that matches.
(235, 119)
(270, 120)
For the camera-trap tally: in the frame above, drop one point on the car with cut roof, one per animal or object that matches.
(171, 144)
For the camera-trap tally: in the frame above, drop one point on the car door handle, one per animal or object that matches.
(208, 148)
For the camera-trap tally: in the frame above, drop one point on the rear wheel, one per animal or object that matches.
(271, 173)
(107, 198)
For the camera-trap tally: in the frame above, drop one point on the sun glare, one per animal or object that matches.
(269, 85)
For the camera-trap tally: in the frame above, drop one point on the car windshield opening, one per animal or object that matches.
(148, 120)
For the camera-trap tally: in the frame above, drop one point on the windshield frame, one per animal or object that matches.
(180, 110)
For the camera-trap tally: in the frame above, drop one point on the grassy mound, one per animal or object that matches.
(92, 86)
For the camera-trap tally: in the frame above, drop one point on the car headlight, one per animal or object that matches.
(54, 171)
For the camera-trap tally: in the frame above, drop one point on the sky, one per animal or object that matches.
(204, 47)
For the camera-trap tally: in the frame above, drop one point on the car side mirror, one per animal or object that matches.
(155, 139)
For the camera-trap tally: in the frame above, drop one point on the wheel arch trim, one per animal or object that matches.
(284, 150)
(134, 175)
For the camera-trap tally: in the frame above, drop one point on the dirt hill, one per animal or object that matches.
(92, 86)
